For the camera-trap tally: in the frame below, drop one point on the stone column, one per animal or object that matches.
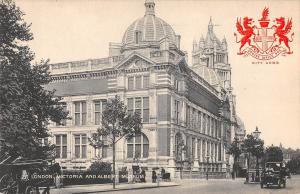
(196, 160)
(172, 146)
(201, 153)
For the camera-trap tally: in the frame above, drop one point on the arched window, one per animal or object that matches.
(138, 146)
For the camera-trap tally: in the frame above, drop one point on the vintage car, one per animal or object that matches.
(274, 173)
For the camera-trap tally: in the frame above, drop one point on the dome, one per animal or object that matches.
(150, 28)
(207, 74)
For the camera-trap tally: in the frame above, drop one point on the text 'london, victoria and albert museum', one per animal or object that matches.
(188, 110)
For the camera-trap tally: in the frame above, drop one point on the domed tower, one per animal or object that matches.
(149, 32)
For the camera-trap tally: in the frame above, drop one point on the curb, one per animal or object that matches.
(124, 189)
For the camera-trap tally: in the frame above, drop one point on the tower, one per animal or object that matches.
(212, 53)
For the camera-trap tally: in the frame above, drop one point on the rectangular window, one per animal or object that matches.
(139, 105)
(77, 113)
(100, 106)
(129, 150)
(145, 81)
(64, 108)
(97, 105)
(176, 84)
(204, 124)
(138, 82)
(80, 113)
(188, 116)
(83, 115)
(208, 125)
(130, 108)
(176, 112)
(80, 146)
(199, 121)
(130, 83)
(193, 148)
(61, 146)
(145, 109)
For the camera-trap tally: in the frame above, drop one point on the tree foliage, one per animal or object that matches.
(115, 124)
(294, 165)
(273, 154)
(234, 149)
(26, 107)
(253, 146)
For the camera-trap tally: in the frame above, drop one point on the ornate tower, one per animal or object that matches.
(212, 53)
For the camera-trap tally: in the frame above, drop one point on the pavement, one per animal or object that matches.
(100, 188)
(185, 186)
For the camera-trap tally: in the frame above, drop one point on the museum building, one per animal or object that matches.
(188, 111)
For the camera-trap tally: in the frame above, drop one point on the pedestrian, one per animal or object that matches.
(154, 176)
(162, 173)
(143, 176)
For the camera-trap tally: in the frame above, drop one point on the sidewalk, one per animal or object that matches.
(85, 189)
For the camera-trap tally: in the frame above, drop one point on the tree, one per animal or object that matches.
(294, 165)
(115, 125)
(26, 107)
(254, 146)
(273, 154)
(235, 150)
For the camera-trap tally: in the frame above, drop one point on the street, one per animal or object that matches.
(222, 186)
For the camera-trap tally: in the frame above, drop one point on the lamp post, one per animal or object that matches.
(207, 161)
(256, 135)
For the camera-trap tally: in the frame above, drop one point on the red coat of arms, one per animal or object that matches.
(264, 42)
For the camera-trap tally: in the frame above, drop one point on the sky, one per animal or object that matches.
(268, 95)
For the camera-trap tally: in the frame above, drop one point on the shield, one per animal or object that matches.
(264, 38)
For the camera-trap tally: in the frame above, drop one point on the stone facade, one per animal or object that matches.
(187, 116)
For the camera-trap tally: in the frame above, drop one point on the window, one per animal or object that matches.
(145, 81)
(199, 121)
(138, 146)
(130, 108)
(176, 111)
(176, 84)
(99, 108)
(178, 146)
(145, 109)
(138, 82)
(105, 147)
(61, 146)
(137, 37)
(80, 113)
(63, 121)
(187, 116)
(208, 125)
(193, 148)
(204, 124)
(139, 105)
(130, 83)
(80, 146)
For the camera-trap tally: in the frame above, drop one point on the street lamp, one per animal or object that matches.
(207, 160)
(256, 135)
